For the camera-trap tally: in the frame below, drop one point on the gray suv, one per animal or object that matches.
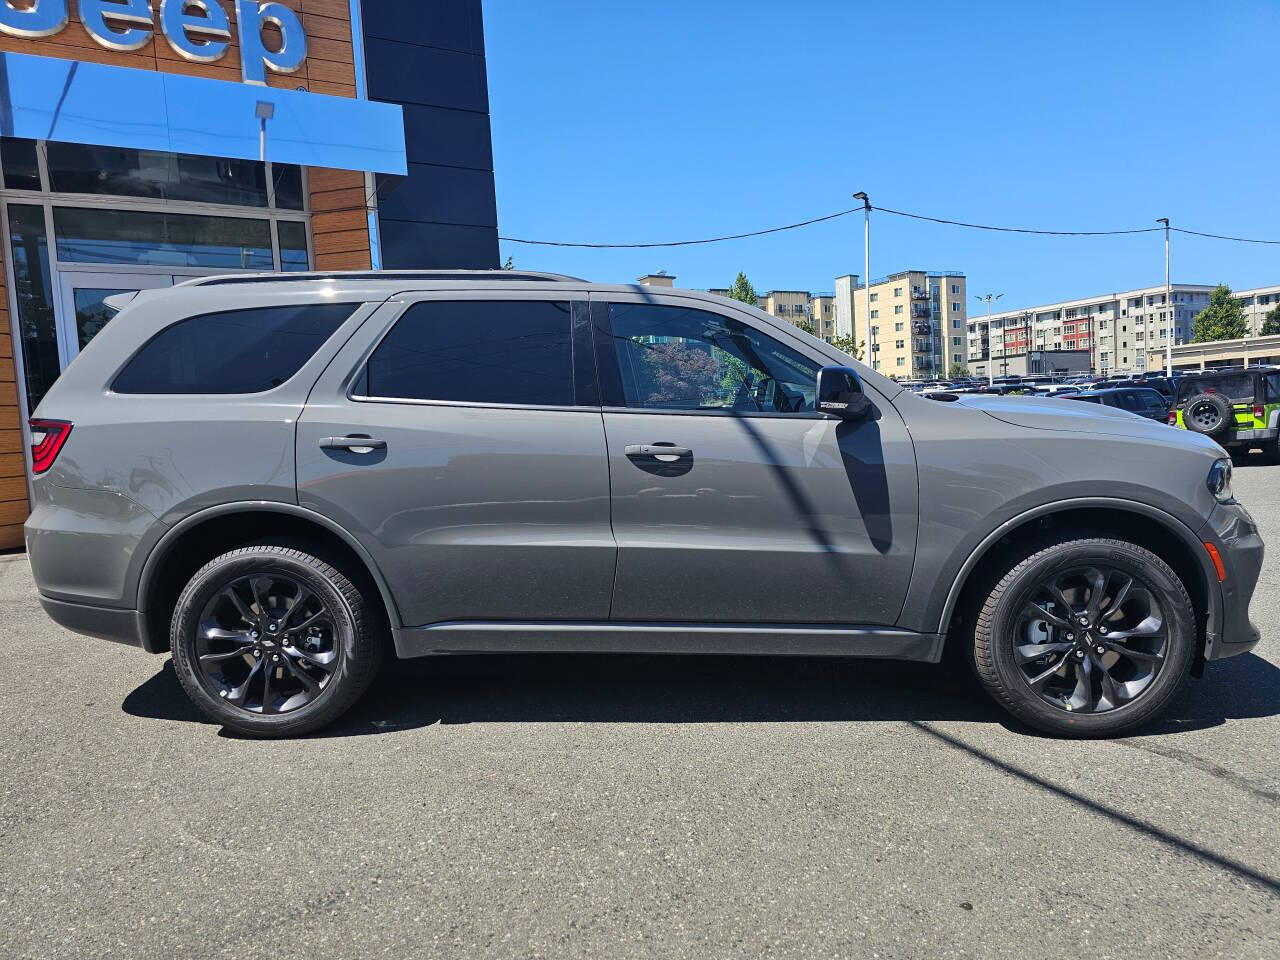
(278, 477)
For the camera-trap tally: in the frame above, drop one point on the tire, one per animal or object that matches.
(1035, 688)
(1208, 413)
(261, 675)
(1271, 450)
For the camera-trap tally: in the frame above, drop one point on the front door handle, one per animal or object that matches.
(355, 444)
(655, 450)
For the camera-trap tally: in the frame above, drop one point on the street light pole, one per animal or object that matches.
(991, 355)
(1168, 299)
(866, 279)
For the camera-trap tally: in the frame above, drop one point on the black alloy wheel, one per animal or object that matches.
(1086, 637)
(272, 641)
(267, 644)
(1090, 639)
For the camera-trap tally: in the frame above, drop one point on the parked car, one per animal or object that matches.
(1239, 408)
(271, 475)
(1140, 400)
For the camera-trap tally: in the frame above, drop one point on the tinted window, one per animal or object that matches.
(1273, 387)
(1153, 401)
(287, 185)
(80, 168)
(142, 236)
(1086, 399)
(33, 280)
(21, 168)
(241, 351)
(1236, 386)
(1127, 400)
(293, 245)
(675, 358)
(477, 351)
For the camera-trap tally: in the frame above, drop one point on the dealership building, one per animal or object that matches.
(145, 142)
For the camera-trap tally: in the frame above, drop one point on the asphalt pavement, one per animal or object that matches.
(632, 807)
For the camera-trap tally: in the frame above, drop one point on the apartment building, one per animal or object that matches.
(1124, 332)
(916, 327)
(822, 311)
(792, 306)
(1257, 303)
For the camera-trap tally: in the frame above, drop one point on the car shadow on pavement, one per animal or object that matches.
(539, 688)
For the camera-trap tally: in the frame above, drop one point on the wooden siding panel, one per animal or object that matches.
(11, 536)
(334, 200)
(13, 462)
(14, 465)
(344, 261)
(338, 241)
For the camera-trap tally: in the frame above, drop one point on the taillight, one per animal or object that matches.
(1258, 411)
(1173, 417)
(47, 438)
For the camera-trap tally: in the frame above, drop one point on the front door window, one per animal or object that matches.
(675, 358)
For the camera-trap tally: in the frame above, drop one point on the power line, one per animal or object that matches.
(681, 243)
(1218, 236)
(1049, 233)
(897, 213)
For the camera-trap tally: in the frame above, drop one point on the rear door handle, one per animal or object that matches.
(353, 444)
(655, 450)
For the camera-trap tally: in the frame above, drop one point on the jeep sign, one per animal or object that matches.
(196, 29)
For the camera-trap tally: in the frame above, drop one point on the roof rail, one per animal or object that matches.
(397, 275)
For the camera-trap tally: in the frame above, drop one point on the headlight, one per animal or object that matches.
(1219, 481)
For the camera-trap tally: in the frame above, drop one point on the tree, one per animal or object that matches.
(1222, 319)
(958, 370)
(806, 326)
(681, 371)
(743, 290)
(1271, 323)
(847, 344)
(508, 265)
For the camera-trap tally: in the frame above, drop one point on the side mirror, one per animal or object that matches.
(840, 393)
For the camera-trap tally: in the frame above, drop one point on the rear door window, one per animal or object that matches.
(237, 351)
(1153, 401)
(510, 352)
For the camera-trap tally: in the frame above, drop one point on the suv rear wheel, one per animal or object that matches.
(1086, 638)
(272, 641)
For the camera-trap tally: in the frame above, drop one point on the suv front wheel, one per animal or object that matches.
(1086, 638)
(272, 641)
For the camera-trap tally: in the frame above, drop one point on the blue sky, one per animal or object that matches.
(671, 120)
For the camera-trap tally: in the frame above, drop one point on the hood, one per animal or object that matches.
(1077, 416)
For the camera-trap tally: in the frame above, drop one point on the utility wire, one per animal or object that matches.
(682, 243)
(897, 213)
(1218, 236)
(1049, 233)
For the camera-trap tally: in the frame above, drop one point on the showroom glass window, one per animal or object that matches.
(679, 358)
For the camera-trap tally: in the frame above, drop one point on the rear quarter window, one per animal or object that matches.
(236, 351)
